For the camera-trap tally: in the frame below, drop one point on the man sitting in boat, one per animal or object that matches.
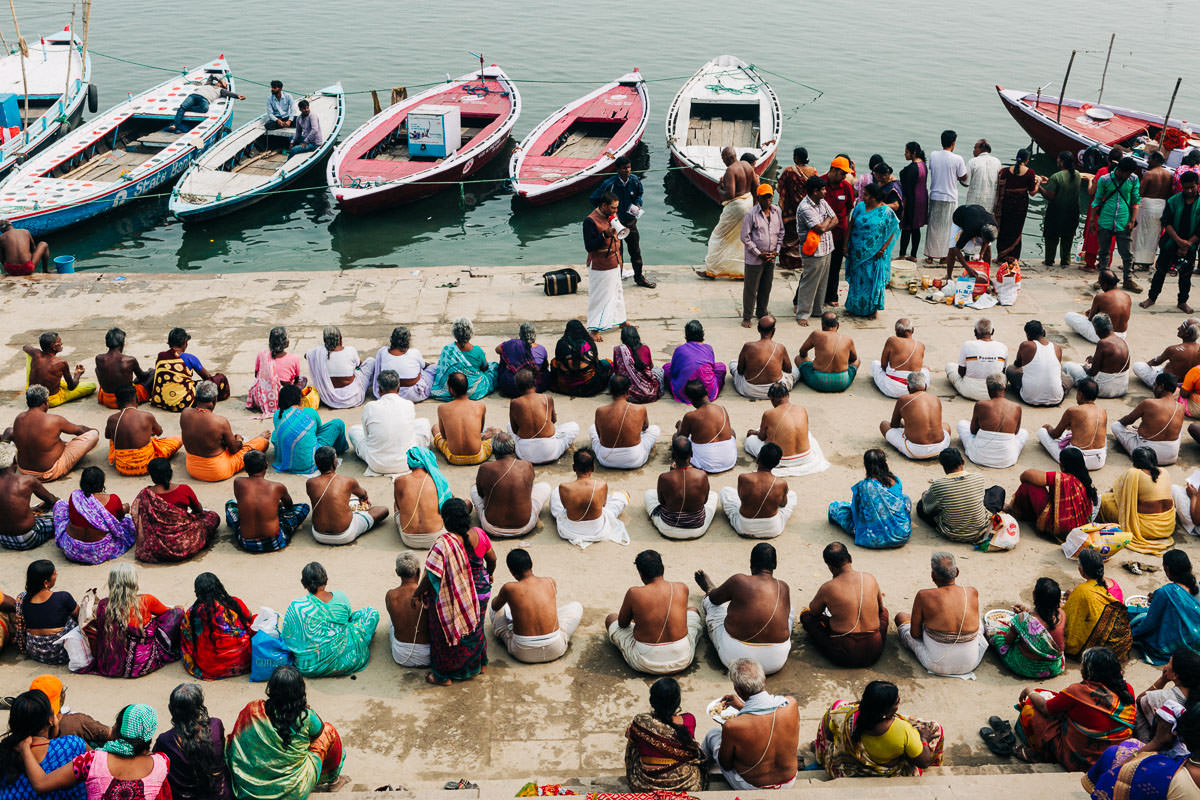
(281, 108)
(211, 88)
(20, 251)
(308, 132)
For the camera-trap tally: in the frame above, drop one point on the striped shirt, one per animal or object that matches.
(956, 503)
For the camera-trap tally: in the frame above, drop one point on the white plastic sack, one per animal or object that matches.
(79, 652)
(1006, 533)
(267, 621)
(1007, 290)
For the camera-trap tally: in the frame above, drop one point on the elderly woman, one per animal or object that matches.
(338, 375)
(522, 353)
(321, 630)
(299, 432)
(1173, 619)
(31, 719)
(1141, 503)
(1031, 641)
(871, 739)
(196, 746)
(879, 513)
(1074, 726)
(1096, 614)
(43, 615)
(661, 752)
(470, 360)
(279, 748)
(133, 634)
(632, 359)
(273, 368)
(416, 376)
(215, 639)
(578, 369)
(171, 524)
(92, 526)
(1057, 502)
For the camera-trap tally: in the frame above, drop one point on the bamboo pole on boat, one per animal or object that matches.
(1167, 119)
(1061, 94)
(87, 24)
(1104, 74)
(23, 50)
(70, 52)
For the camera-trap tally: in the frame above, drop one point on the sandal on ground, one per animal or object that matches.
(645, 282)
(999, 745)
(1001, 726)
(1139, 567)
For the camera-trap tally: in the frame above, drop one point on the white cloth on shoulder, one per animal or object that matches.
(631, 457)
(547, 449)
(657, 659)
(917, 452)
(772, 656)
(408, 654)
(893, 382)
(1131, 439)
(756, 527)
(797, 464)
(992, 448)
(958, 660)
(1092, 459)
(1110, 384)
(349, 396)
(758, 391)
(674, 532)
(605, 528)
(714, 457)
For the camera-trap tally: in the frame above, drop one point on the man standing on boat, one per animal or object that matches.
(281, 108)
(606, 295)
(628, 189)
(1116, 202)
(945, 167)
(1156, 185)
(726, 254)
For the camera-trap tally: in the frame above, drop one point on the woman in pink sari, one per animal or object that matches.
(274, 367)
(632, 359)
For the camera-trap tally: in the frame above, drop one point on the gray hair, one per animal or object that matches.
(983, 327)
(503, 444)
(904, 326)
(527, 334)
(8, 454)
(37, 395)
(747, 677)
(996, 383)
(1102, 323)
(463, 330)
(389, 381)
(917, 381)
(1191, 330)
(408, 565)
(207, 392)
(332, 336)
(943, 566)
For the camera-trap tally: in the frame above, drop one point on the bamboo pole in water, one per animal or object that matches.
(1104, 74)
(1166, 120)
(23, 50)
(87, 24)
(70, 53)
(1061, 94)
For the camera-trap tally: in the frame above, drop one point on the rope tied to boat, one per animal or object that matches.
(482, 90)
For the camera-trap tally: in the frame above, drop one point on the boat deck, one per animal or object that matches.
(716, 132)
(45, 70)
(1108, 132)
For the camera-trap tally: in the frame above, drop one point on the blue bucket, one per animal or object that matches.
(65, 265)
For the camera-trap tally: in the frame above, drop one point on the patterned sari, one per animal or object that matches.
(166, 532)
(329, 638)
(877, 516)
(121, 533)
(515, 356)
(655, 759)
(645, 382)
(1026, 646)
(481, 376)
(140, 651)
(1064, 505)
(1123, 773)
(215, 643)
(843, 757)
(1172, 621)
(43, 649)
(1066, 739)
(264, 768)
(457, 647)
(1095, 618)
(867, 272)
(173, 387)
(791, 190)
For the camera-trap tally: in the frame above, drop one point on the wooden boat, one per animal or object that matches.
(726, 103)
(58, 78)
(116, 157)
(249, 163)
(576, 145)
(373, 168)
(1083, 125)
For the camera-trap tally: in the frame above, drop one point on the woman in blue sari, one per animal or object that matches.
(1173, 618)
(1126, 770)
(470, 360)
(299, 432)
(879, 514)
(873, 231)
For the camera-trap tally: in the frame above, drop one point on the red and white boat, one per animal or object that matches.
(575, 146)
(373, 168)
(726, 103)
(1083, 125)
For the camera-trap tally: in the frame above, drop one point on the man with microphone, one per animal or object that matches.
(627, 188)
(606, 296)
(762, 234)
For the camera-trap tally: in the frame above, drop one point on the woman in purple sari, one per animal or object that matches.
(133, 634)
(694, 359)
(915, 208)
(520, 353)
(92, 527)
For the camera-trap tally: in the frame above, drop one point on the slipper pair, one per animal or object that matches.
(999, 737)
(461, 783)
(1139, 568)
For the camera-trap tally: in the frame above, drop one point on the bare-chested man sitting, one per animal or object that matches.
(20, 252)
(757, 748)
(1108, 366)
(1036, 373)
(916, 427)
(584, 509)
(1114, 302)
(409, 625)
(1161, 423)
(134, 436)
(37, 433)
(853, 632)
(261, 514)
(901, 355)
(622, 436)
(45, 368)
(22, 527)
(214, 452)
(834, 362)
(341, 509)
(762, 363)
(655, 630)
(1083, 425)
(714, 448)
(115, 369)
(541, 438)
(944, 631)
(993, 437)
(762, 504)
(786, 425)
(1177, 359)
(418, 498)
(750, 616)
(526, 615)
(682, 506)
(504, 495)
(460, 434)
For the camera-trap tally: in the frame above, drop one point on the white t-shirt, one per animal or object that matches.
(983, 358)
(407, 366)
(342, 363)
(945, 168)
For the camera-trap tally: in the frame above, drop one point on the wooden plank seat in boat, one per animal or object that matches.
(207, 184)
(717, 132)
(156, 140)
(398, 151)
(106, 166)
(580, 145)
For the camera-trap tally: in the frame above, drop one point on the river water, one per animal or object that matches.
(889, 72)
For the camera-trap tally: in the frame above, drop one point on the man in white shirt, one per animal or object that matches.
(389, 427)
(945, 168)
(983, 171)
(976, 360)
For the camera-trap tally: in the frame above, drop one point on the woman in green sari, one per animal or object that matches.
(1031, 642)
(323, 633)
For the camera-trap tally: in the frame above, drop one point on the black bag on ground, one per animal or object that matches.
(561, 281)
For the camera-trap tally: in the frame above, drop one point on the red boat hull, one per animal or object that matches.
(562, 192)
(1050, 139)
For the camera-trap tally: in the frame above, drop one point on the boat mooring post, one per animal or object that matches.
(1104, 74)
(1062, 94)
(1166, 120)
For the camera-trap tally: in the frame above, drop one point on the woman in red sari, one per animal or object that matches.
(215, 640)
(791, 191)
(1057, 502)
(171, 524)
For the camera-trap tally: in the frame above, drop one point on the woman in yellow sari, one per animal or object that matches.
(1141, 504)
(1096, 614)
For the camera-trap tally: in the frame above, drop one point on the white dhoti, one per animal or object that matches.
(667, 522)
(606, 299)
(1183, 509)
(893, 382)
(714, 457)
(537, 649)
(1146, 373)
(949, 659)
(360, 523)
(937, 236)
(771, 656)
(992, 448)
(1131, 438)
(726, 257)
(1148, 229)
(408, 654)
(657, 659)
(758, 391)
(796, 465)
(1093, 459)
(756, 527)
(538, 495)
(1083, 326)
(970, 388)
(1110, 384)
(418, 541)
(917, 452)
(546, 449)
(631, 457)
(605, 528)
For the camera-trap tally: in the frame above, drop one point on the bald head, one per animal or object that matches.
(904, 327)
(766, 326)
(829, 321)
